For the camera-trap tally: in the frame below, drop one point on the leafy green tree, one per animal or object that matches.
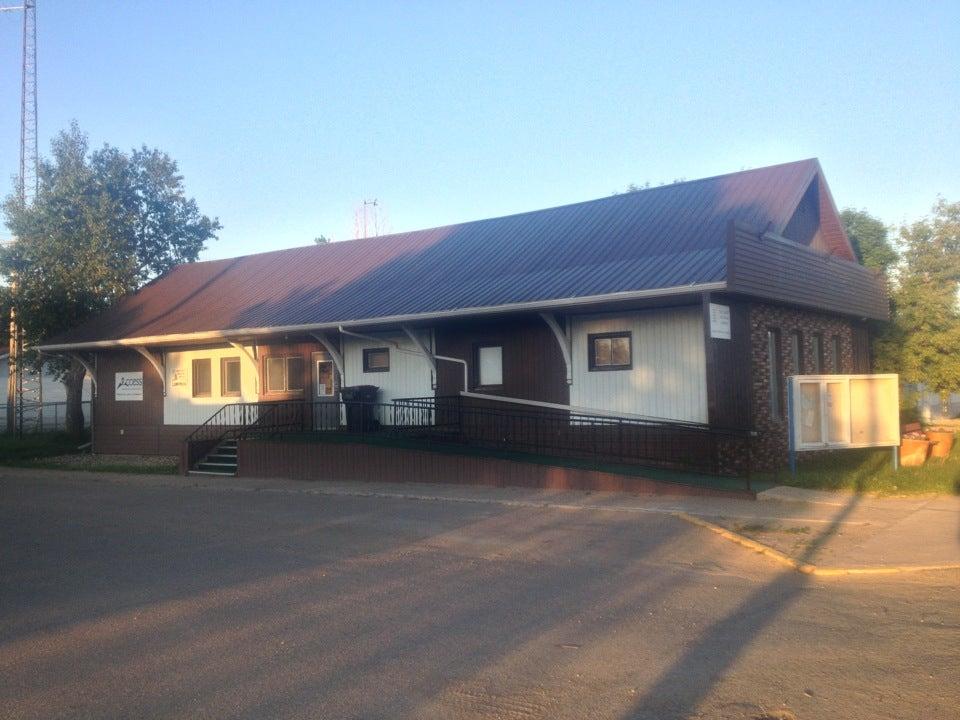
(870, 240)
(923, 339)
(321, 240)
(103, 223)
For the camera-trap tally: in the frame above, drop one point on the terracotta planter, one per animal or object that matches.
(942, 442)
(913, 453)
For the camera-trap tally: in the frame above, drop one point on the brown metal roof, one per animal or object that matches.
(663, 237)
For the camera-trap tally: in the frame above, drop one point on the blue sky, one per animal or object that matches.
(284, 116)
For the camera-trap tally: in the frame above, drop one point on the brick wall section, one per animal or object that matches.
(769, 447)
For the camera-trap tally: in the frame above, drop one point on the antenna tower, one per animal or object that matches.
(24, 392)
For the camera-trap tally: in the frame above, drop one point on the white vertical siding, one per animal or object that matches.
(409, 375)
(669, 375)
(181, 408)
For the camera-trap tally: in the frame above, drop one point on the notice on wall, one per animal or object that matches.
(719, 321)
(128, 386)
(178, 378)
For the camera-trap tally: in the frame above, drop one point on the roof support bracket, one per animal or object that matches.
(563, 340)
(332, 350)
(77, 357)
(251, 358)
(157, 365)
(425, 351)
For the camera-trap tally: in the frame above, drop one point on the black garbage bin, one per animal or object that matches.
(359, 401)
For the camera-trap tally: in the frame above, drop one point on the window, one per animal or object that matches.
(774, 370)
(376, 360)
(835, 354)
(816, 345)
(284, 374)
(201, 377)
(609, 351)
(324, 379)
(230, 377)
(796, 352)
(488, 360)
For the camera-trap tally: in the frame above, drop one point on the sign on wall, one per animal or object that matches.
(844, 411)
(178, 378)
(719, 321)
(128, 386)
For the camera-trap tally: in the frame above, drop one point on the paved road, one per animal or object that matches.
(127, 600)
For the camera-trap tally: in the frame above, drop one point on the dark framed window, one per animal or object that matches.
(835, 354)
(376, 360)
(816, 348)
(488, 365)
(775, 373)
(284, 374)
(796, 351)
(202, 384)
(230, 377)
(610, 351)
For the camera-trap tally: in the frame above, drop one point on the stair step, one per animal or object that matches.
(222, 456)
(228, 444)
(204, 464)
(211, 472)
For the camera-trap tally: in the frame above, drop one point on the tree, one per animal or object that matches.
(102, 224)
(869, 237)
(321, 240)
(922, 340)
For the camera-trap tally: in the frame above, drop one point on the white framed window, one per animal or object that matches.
(284, 374)
(489, 365)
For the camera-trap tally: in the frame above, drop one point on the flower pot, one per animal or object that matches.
(913, 453)
(942, 442)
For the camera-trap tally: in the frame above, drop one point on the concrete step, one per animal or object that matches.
(222, 457)
(211, 472)
(213, 465)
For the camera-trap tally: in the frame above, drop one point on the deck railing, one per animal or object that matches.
(497, 425)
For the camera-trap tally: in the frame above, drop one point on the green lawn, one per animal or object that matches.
(871, 470)
(16, 451)
(47, 450)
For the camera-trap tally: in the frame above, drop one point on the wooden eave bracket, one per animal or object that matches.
(332, 351)
(157, 365)
(563, 340)
(424, 350)
(86, 366)
(251, 358)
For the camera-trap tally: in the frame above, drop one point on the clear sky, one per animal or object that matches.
(285, 115)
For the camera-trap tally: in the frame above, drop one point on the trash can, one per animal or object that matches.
(359, 401)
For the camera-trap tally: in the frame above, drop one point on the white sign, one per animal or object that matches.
(844, 411)
(720, 321)
(128, 386)
(178, 378)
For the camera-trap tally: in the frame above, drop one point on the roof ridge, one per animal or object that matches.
(437, 228)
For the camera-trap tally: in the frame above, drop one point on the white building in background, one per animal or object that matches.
(54, 391)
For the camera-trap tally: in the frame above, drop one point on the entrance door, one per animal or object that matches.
(326, 409)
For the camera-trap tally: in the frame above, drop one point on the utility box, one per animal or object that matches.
(843, 411)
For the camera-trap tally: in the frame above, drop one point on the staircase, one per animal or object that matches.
(222, 460)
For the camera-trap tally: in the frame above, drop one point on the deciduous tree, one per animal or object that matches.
(103, 223)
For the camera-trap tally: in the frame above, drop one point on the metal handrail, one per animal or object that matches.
(541, 431)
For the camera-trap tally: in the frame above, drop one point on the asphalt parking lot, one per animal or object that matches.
(128, 600)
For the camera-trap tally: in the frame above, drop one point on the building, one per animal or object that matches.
(54, 395)
(664, 316)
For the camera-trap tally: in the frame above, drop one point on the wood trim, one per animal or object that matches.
(591, 359)
(223, 377)
(193, 377)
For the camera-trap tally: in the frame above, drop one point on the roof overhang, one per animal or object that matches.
(255, 332)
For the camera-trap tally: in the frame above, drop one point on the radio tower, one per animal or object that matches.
(24, 392)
